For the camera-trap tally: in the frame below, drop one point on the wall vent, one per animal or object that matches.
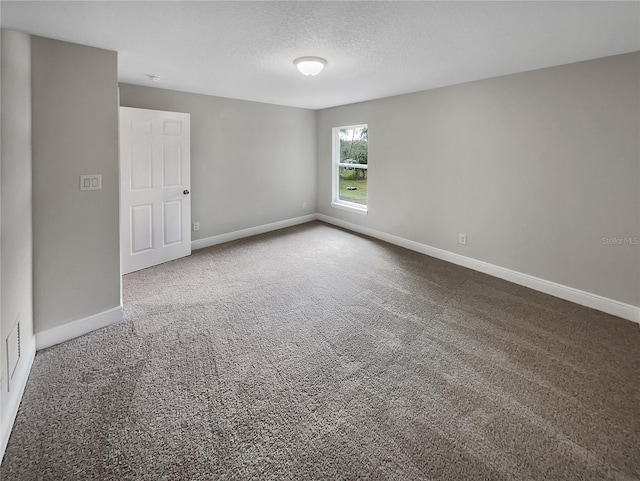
(13, 352)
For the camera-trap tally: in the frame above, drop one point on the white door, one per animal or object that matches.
(155, 205)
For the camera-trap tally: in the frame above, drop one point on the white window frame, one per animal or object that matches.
(335, 167)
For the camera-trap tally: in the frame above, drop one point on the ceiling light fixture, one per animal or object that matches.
(310, 66)
(154, 78)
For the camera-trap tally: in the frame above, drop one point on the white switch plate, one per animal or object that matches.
(91, 182)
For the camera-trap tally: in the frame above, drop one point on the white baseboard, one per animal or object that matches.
(14, 396)
(251, 231)
(594, 301)
(74, 329)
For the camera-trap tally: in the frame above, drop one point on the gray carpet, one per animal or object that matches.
(315, 354)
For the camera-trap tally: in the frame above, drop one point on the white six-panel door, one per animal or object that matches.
(155, 202)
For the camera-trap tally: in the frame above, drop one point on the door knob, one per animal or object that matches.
(185, 192)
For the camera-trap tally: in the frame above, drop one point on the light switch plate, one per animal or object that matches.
(91, 182)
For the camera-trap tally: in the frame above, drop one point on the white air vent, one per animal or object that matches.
(13, 352)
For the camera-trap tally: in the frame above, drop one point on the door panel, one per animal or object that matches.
(155, 212)
(141, 126)
(172, 127)
(171, 166)
(141, 167)
(141, 228)
(171, 222)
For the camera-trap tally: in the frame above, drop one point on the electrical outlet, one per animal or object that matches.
(304, 205)
(196, 226)
(463, 239)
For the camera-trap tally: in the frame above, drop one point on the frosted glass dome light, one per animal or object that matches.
(310, 66)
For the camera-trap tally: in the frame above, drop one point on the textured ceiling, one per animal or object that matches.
(246, 50)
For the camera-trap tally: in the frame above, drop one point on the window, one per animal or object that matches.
(350, 165)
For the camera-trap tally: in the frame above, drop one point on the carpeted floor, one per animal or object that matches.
(314, 354)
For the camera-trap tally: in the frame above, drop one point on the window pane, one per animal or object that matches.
(352, 185)
(353, 145)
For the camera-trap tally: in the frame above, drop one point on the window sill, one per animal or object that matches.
(350, 207)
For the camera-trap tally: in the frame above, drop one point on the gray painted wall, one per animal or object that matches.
(76, 256)
(251, 163)
(536, 168)
(3, 355)
(16, 238)
(15, 251)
